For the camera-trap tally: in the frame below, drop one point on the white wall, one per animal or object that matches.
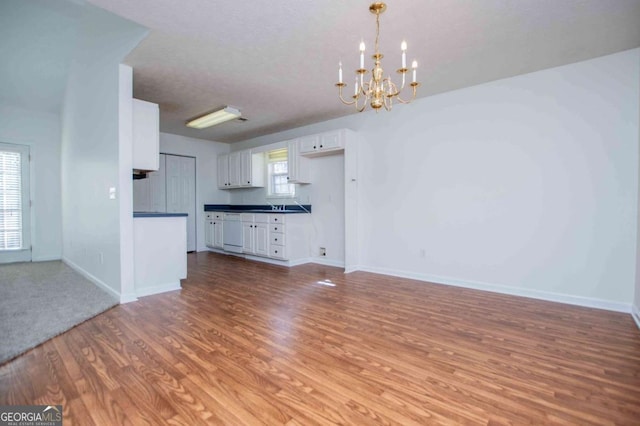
(90, 148)
(41, 132)
(207, 192)
(526, 185)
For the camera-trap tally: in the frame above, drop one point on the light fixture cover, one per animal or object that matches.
(217, 117)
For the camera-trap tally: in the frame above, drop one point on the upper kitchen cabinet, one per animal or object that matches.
(146, 136)
(297, 166)
(241, 169)
(323, 143)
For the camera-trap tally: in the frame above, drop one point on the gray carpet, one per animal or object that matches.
(40, 300)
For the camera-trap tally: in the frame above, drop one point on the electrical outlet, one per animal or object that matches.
(323, 251)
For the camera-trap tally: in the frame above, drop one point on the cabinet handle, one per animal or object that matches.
(275, 229)
(314, 147)
(276, 251)
(248, 182)
(287, 177)
(320, 146)
(276, 219)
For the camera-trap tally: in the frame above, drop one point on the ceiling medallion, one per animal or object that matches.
(379, 91)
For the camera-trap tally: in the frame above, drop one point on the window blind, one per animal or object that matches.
(10, 201)
(277, 155)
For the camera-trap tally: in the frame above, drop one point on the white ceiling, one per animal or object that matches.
(277, 60)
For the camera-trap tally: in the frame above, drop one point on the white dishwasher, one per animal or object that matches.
(232, 232)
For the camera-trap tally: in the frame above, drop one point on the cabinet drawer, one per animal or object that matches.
(214, 215)
(277, 252)
(277, 238)
(261, 218)
(276, 227)
(276, 218)
(247, 217)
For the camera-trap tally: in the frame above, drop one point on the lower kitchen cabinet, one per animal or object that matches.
(213, 230)
(282, 237)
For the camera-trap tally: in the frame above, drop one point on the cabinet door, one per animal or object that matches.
(261, 239)
(248, 245)
(309, 144)
(331, 140)
(145, 135)
(235, 167)
(223, 171)
(208, 233)
(217, 234)
(298, 170)
(245, 168)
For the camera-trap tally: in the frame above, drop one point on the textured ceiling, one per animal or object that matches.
(277, 61)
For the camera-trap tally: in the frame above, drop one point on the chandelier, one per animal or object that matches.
(379, 91)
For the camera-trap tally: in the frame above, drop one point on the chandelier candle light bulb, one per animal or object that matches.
(414, 67)
(379, 91)
(403, 47)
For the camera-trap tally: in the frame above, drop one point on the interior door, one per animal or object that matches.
(15, 212)
(181, 192)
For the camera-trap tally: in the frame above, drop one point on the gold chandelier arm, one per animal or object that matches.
(414, 86)
(340, 86)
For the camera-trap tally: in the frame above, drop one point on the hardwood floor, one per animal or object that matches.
(251, 343)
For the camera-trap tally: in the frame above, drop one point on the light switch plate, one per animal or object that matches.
(112, 193)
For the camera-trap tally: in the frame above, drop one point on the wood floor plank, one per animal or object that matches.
(255, 344)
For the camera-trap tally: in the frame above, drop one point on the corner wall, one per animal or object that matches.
(90, 148)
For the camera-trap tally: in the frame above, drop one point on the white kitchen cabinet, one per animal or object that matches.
(298, 167)
(323, 143)
(223, 171)
(261, 231)
(241, 169)
(213, 230)
(255, 234)
(146, 135)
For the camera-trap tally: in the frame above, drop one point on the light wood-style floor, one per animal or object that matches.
(250, 343)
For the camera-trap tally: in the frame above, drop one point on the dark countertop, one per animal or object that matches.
(151, 214)
(257, 208)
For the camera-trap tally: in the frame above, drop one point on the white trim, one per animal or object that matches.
(496, 288)
(128, 298)
(157, 289)
(354, 268)
(45, 258)
(328, 262)
(635, 314)
(91, 278)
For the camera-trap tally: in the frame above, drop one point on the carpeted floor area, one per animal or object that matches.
(40, 300)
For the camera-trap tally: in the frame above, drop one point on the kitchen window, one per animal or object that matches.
(277, 173)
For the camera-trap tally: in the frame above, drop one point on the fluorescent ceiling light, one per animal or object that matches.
(226, 114)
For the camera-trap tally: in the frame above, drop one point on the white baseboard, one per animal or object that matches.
(91, 278)
(45, 258)
(514, 291)
(327, 262)
(350, 269)
(635, 314)
(162, 288)
(128, 298)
